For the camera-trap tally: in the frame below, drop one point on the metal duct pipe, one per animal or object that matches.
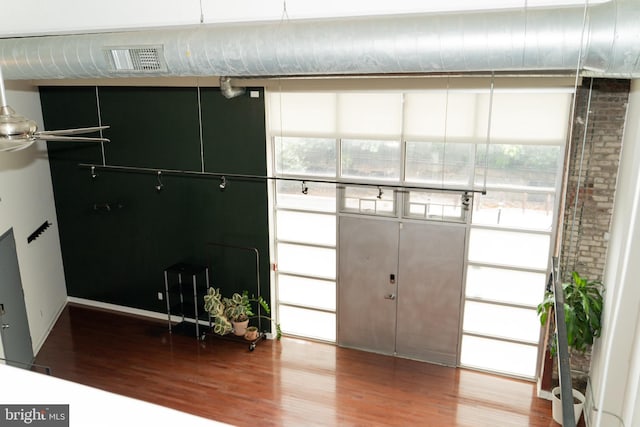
(229, 91)
(538, 39)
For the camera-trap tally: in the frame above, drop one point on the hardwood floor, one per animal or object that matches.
(288, 383)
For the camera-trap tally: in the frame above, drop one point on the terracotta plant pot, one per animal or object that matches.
(251, 334)
(239, 328)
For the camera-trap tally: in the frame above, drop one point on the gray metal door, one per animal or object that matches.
(14, 326)
(367, 308)
(400, 288)
(430, 291)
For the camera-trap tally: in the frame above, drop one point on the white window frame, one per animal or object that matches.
(401, 200)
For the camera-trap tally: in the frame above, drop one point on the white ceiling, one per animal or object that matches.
(37, 17)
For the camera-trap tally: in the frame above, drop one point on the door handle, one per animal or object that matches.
(5, 326)
(390, 296)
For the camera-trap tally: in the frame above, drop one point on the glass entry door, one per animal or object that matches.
(400, 288)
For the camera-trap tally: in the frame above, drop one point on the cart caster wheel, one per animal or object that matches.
(252, 347)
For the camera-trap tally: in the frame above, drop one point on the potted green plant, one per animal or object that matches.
(265, 308)
(233, 314)
(583, 302)
(237, 310)
(214, 305)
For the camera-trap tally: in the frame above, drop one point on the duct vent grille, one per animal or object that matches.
(136, 59)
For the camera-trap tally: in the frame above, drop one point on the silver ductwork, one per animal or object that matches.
(229, 91)
(604, 41)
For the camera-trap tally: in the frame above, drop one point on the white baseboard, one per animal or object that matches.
(543, 394)
(130, 310)
(38, 345)
(139, 312)
(121, 308)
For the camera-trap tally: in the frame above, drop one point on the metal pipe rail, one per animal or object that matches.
(564, 367)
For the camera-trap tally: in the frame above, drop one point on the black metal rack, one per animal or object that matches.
(188, 283)
(235, 338)
(262, 335)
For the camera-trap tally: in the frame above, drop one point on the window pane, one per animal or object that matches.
(501, 321)
(307, 261)
(363, 114)
(320, 197)
(307, 113)
(515, 209)
(535, 117)
(306, 228)
(446, 115)
(519, 166)
(499, 356)
(425, 114)
(367, 200)
(441, 164)
(435, 206)
(509, 248)
(307, 292)
(305, 156)
(376, 160)
(510, 286)
(308, 323)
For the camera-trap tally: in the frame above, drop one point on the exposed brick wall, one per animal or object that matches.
(593, 171)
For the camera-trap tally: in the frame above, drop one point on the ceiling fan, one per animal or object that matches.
(17, 132)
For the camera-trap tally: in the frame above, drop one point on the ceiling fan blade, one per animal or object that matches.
(45, 136)
(17, 132)
(8, 145)
(73, 131)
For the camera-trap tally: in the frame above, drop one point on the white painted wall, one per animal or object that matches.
(615, 366)
(26, 202)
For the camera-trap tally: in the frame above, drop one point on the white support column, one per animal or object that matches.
(613, 399)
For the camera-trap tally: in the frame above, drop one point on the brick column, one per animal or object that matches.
(592, 175)
(593, 171)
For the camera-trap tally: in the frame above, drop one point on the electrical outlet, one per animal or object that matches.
(160, 296)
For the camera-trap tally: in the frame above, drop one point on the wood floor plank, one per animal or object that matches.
(288, 383)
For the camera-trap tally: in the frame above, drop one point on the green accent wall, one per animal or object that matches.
(118, 233)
